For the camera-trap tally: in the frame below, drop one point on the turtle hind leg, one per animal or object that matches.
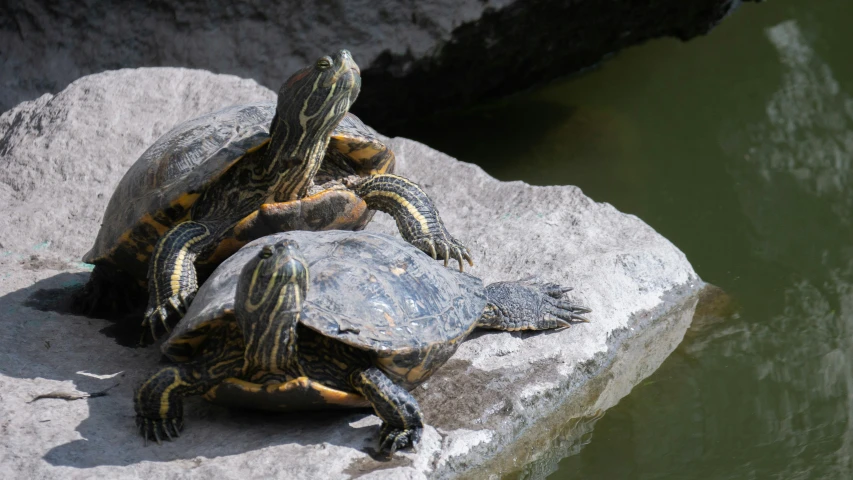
(416, 216)
(529, 305)
(402, 420)
(108, 293)
(172, 279)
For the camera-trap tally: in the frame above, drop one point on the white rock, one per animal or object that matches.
(60, 158)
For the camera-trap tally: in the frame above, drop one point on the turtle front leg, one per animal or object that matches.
(159, 401)
(529, 306)
(172, 281)
(402, 420)
(159, 404)
(416, 216)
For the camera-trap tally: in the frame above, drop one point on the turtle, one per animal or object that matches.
(214, 183)
(335, 319)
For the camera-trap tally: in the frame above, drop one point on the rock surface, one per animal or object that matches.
(416, 56)
(60, 158)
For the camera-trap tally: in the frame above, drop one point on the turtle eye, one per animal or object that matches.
(324, 63)
(266, 252)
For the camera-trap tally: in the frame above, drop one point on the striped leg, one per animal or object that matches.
(402, 420)
(528, 305)
(159, 400)
(172, 281)
(416, 216)
(158, 403)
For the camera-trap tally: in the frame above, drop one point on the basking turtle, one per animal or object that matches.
(212, 184)
(303, 320)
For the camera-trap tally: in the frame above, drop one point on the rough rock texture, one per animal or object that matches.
(415, 56)
(61, 156)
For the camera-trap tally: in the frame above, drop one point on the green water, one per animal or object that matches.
(738, 148)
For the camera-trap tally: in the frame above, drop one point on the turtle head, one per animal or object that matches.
(315, 99)
(275, 280)
(270, 292)
(311, 103)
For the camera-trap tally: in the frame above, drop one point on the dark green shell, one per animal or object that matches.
(186, 159)
(369, 290)
(158, 189)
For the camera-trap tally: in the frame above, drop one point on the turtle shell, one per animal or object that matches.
(368, 290)
(160, 188)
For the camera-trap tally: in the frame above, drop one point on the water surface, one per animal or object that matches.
(738, 148)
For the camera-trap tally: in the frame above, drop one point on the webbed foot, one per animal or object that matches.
(162, 313)
(402, 419)
(159, 429)
(416, 216)
(392, 439)
(556, 310)
(529, 305)
(172, 281)
(444, 247)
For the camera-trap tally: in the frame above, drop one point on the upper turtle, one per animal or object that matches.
(164, 182)
(214, 183)
(166, 179)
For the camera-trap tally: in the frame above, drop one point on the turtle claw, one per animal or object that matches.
(185, 301)
(461, 254)
(467, 256)
(163, 320)
(552, 319)
(445, 249)
(159, 429)
(570, 307)
(155, 317)
(178, 304)
(458, 252)
(559, 321)
(554, 290)
(160, 313)
(426, 245)
(392, 439)
(562, 311)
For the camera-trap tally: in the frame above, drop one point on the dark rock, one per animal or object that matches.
(416, 57)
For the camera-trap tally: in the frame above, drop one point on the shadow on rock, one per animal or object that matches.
(47, 345)
(210, 432)
(474, 133)
(125, 328)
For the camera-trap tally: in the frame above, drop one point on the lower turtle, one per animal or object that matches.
(337, 319)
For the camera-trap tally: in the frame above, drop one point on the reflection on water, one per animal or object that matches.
(738, 147)
(797, 162)
(794, 186)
